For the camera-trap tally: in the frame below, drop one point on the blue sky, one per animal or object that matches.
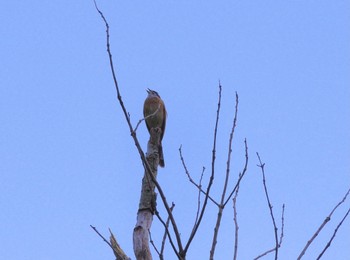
(67, 158)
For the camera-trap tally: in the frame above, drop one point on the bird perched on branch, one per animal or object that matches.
(155, 116)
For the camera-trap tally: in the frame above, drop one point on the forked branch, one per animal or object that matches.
(280, 240)
(211, 179)
(198, 186)
(117, 250)
(223, 194)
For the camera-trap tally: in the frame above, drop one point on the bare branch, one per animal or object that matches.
(280, 241)
(262, 165)
(152, 243)
(161, 256)
(133, 134)
(234, 200)
(98, 233)
(222, 205)
(199, 197)
(211, 180)
(334, 234)
(118, 252)
(145, 118)
(282, 229)
(168, 233)
(199, 187)
(327, 219)
(229, 152)
(241, 175)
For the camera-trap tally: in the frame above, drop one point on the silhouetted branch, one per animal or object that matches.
(168, 233)
(228, 163)
(327, 219)
(199, 187)
(98, 233)
(282, 229)
(223, 194)
(161, 255)
(280, 240)
(211, 179)
(241, 174)
(153, 244)
(235, 220)
(262, 165)
(199, 196)
(334, 234)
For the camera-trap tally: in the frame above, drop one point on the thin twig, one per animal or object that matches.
(222, 205)
(282, 229)
(168, 233)
(199, 187)
(211, 179)
(235, 220)
(104, 239)
(262, 165)
(137, 144)
(161, 255)
(327, 219)
(199, 197)
(228, 163)
(153, 244)
(145, 118)
(334, 234)
(280, 241)
(241, 174)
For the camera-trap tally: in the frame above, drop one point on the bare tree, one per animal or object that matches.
(150, 188)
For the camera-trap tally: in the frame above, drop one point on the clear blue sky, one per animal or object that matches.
(67, 159)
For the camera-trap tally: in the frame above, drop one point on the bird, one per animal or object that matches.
(155, 114)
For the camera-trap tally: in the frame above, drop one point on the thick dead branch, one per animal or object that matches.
(141, 235)
(147, 205)
(117, 250)
(327, 219)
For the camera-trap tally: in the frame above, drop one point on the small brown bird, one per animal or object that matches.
(152, 104)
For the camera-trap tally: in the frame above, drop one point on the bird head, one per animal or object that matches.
(152, 93)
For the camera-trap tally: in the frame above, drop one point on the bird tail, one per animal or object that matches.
(161, 156)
